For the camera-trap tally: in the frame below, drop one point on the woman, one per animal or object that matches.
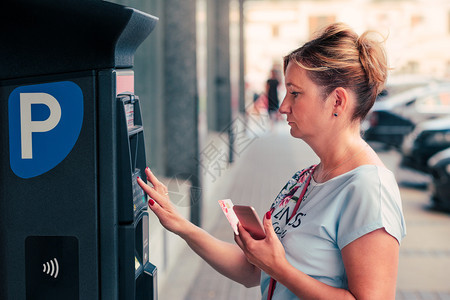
(334, 230)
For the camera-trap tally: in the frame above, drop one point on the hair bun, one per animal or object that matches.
(373, 59)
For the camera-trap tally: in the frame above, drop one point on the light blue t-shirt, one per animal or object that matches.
(332, 215)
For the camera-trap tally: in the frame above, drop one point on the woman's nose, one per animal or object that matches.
(284, 107)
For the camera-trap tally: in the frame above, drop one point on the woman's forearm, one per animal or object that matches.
(305, 286)
(226, 258)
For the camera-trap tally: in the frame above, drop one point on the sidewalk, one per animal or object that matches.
(256, 178)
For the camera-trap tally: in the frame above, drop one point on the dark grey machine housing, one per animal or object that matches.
(78, 230)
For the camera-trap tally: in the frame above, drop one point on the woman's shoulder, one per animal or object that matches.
(365, 181)
(370, 185)
(369, 173)
(370, 200)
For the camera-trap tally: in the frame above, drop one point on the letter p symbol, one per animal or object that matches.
(27, 126)
(45, 121)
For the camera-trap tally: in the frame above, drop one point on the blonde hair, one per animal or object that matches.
(337, 57)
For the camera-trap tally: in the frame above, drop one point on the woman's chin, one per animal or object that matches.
(294, 132)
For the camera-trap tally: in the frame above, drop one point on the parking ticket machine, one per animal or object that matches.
(73, 221)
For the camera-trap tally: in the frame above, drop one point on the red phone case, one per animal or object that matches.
(250, 221)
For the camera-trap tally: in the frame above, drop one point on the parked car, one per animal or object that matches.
(393, 118)
(427, 139)
(397, 84)
(439, 165)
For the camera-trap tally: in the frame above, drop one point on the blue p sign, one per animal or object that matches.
(44, 124)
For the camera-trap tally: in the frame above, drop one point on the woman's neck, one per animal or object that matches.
(338, 154)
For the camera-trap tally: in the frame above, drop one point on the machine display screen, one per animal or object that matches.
(139, 198)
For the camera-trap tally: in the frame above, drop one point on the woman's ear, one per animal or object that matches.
(340, 100)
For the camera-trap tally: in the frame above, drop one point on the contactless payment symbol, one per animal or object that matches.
(44, 124)
(51, 268)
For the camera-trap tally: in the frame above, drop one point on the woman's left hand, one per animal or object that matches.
(267, 253)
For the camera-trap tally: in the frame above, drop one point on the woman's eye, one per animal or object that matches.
(295, 94)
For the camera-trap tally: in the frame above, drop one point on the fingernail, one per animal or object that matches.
(138, 177)
(151, 202)
(268, 214)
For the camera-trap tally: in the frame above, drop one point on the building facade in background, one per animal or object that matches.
(417, 31)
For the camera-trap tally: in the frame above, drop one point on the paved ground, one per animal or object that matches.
(256, 178)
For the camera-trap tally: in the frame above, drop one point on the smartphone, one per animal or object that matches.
(249, 219)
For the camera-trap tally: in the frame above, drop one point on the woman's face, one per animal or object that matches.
(305, 109)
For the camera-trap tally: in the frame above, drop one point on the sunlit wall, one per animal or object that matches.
(418, 32)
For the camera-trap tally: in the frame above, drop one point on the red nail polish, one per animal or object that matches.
(151, 202)
(138, 177)
(268, 214)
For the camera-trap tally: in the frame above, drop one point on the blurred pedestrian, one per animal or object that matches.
(334, 230)
(272, 95)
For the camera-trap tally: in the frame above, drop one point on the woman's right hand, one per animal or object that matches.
(160, 203)
(212, 250)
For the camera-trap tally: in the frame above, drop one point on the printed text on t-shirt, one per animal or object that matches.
(282, 217)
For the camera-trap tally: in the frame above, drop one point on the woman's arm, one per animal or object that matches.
(370, 263)
(226, 258)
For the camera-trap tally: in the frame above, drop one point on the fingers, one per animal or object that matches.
(158, 190)
(161, 213)
(149, 190)
(267, 223)
(244, 236)
(246, 243)
(161, 188)
(237, 239)
(155, 207)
